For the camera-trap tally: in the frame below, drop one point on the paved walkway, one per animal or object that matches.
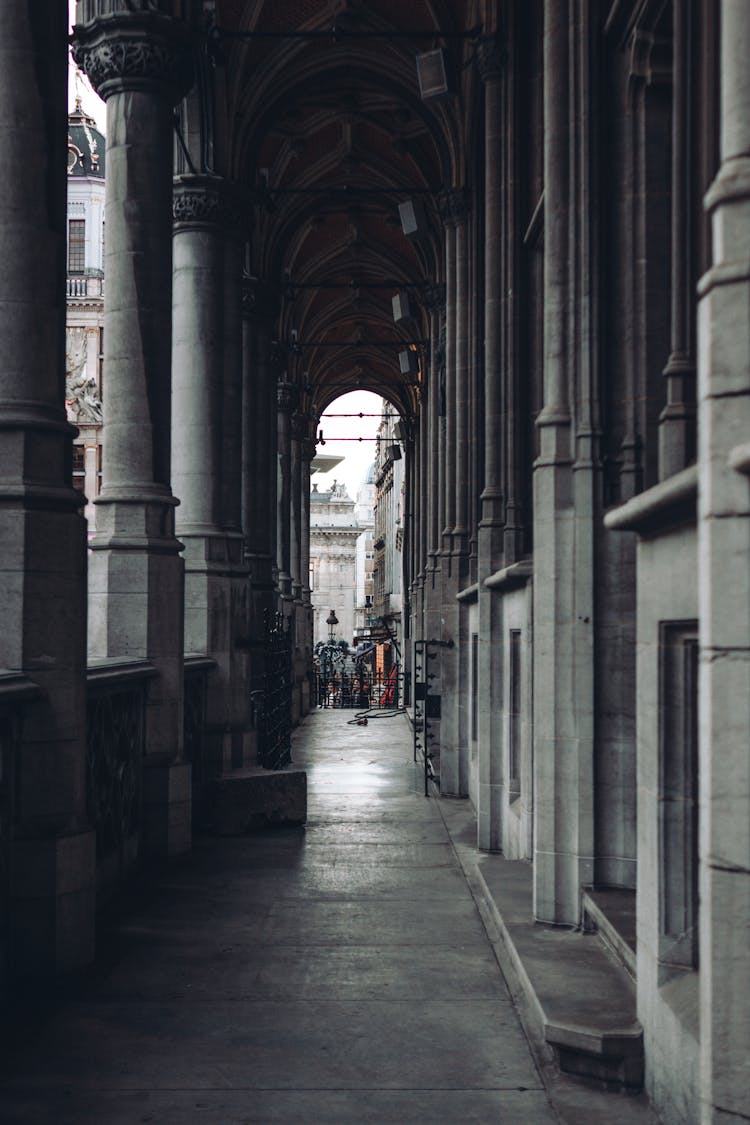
(337, 973)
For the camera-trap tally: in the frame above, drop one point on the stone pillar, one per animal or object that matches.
(42, 532)
(490, 733)
(308, 450)
(206, 473)
(452, 765)
(286, 394)
(724, 598)
(297, 423)
(461, 530)
(449, 204)
(677, 419)
(563, 768)
(139, 62)
(435, 299)
(259, 447)
(297, 472)
(258, 467)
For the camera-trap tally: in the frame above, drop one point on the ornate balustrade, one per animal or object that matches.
(84, 287)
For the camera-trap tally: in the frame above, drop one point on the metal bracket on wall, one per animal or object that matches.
(427, 704)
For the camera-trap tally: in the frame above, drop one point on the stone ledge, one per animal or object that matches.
(610, 912)
(255, 798)
(577, 1004)
(584, 1002)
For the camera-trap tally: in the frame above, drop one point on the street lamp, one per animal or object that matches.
(331, 621)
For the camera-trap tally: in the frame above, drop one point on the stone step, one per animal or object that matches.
(610, 912)
(581, 1000)
(251, 799)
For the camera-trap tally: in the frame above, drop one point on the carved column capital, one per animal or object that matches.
(453, 206)
(434, 297)
(207, 201)
(135, 50)
(491, 57)
(286, 396)
(308, 449)
(650, 58)
(258, 299)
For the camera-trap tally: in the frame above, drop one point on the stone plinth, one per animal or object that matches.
(252, 799)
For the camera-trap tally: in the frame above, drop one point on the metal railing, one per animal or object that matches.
(15, 691)
(197, 669)
(273, 705)
(115, 743)
(360, 688)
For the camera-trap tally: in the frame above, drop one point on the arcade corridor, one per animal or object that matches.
(525, 224)
(336, 973)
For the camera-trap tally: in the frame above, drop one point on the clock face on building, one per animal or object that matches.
(74, 155)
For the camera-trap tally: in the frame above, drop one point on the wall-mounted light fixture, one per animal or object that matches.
(431, 72)
(407, 362)
(401, 306)
(413, 219)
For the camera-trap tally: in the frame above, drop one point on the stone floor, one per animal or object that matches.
(336, 973)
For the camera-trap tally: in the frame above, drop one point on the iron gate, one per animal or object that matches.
(275, 710)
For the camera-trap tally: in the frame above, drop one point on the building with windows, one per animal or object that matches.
(84, 327)
(561, 189)
(334, 533)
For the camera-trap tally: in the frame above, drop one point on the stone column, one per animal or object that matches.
(206, 471)
(449, 204)
(461, 530)
(259, 309)
(297, 428)
(43, 534)
(677, 419)
(308, 450)
(452, 764)
(259, 445)
(286, 394)
(139, 62)
(724, 597)
(435, 299)
(563, 781)
(297, 423)
(490, 733)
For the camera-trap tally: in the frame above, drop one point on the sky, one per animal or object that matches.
(358, 455)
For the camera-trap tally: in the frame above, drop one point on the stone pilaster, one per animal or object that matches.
(43, 535)
(140, 63)
(461, 530)
(453, 766)
(286, 394)
(491, 729)
(724, 597)
(563, 781)
(206, 384)
(677, 419)
(259, 309)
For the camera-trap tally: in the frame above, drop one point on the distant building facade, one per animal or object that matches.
(84, 329)
(334, 532)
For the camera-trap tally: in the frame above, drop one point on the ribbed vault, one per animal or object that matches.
(328, 129)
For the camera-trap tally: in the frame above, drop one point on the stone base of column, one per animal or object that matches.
(256, 799)
(53, 905)
(167, 808)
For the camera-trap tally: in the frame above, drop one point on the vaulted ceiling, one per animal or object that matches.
(322, 117)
